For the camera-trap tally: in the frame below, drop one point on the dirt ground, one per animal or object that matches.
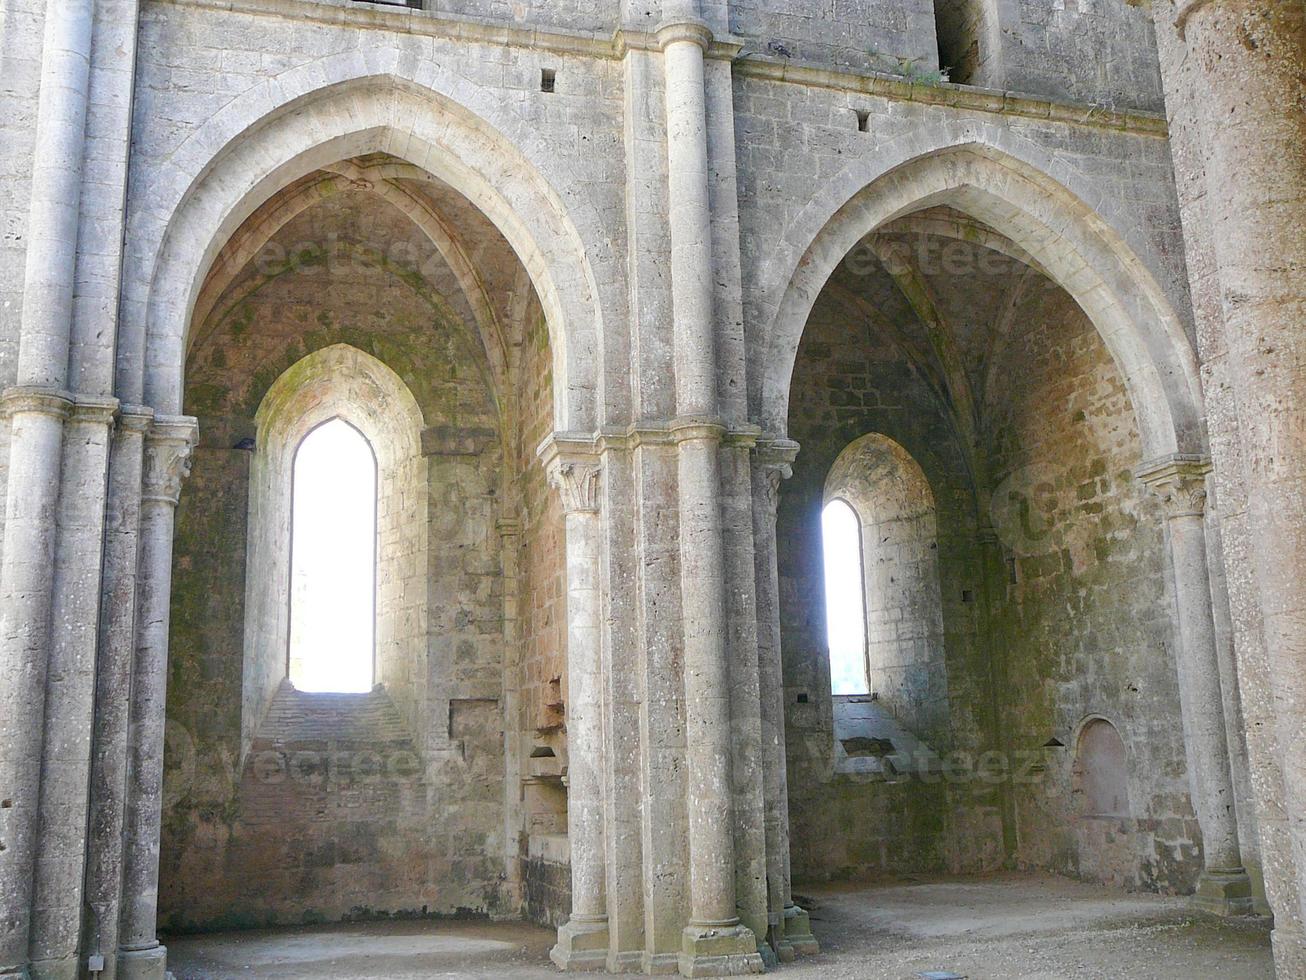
(994, 928)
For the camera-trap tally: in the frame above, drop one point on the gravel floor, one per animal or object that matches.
(993, 928)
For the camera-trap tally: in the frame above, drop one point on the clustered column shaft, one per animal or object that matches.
(715, 942)
(1224, 886)
(25, 584)
(37, 409)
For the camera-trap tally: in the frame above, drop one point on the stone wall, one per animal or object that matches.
(1099, 51)
(549, 307)
(1085, 625)
(542, 669)
(864, 35)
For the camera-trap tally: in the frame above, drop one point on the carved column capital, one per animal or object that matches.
(574, 468)
(1180, 482)
(578, 484)
(168, 447)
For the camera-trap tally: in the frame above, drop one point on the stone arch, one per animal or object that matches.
(341, 382)
(408, 108)
(1079, 249)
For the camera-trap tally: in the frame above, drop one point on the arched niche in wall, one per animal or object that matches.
(1101, 773)
(906, 670)
(338, 382)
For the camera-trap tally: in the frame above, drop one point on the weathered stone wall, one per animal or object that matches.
(1099, 51)
(234, 101)
(424, 834)
(1085, 627)
(864, 35)
(1079, 608)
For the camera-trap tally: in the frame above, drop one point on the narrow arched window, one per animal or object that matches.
(845, 612)
(333, 561)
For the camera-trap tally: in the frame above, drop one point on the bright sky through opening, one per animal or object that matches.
(845, 614)
(333, 561)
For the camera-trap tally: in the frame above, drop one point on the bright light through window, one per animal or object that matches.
(844, 597)
(333, 561)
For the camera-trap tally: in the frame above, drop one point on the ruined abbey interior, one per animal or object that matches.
(626, 466)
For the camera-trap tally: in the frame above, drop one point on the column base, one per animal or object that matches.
(798, 931)
(719, 951)
(63, 969)
(629, 961)
(143, 964)
(1224, 892)
(582, 945)
(779, 942)
(660, 964)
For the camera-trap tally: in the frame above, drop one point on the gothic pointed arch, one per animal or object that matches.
(1080, 250)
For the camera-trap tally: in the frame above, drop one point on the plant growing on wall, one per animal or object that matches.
(908, 68)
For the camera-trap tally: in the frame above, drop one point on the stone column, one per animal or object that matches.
(790, 927)
(167, 463)
(1242, 69)
(56, 194)
(1180, 482)
(113, 684)
(60, 869)
(37, 419)
(715, 942)
(37, 409)
(583, 940)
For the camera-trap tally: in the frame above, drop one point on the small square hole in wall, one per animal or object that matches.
(548, 80)
(802, 697)
(863, 120)
(967, 595)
